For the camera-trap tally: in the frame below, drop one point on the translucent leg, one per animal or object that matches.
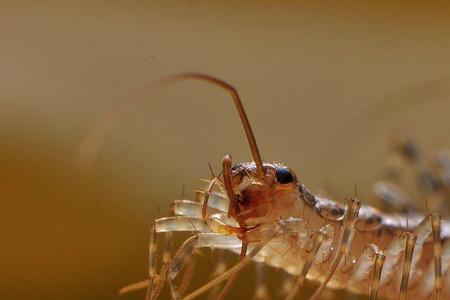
(348, 227)
(409, 250)
(159, 279)
(231, 280)
(275, 230)
(377, 269)
(318, 239)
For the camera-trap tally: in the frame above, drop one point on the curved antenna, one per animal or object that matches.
(90, 145)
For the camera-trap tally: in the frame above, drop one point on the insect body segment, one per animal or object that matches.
(304, 248)
(264, 213)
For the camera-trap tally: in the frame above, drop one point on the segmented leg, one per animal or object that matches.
(167, 226)
(206, 197)
(273, 231)
(231, 280)
(422, 232)
(318, 239)
(158, 281)
(187, 208)
(151, 261)
(350, 218)
(154, 278)
(187, 276)
(184, 253)
(179, 261)
(409, 250)
(227, 179)
(437, 251)
(220, 267)
(180, 223)
(216, 199)
(376, 275)
(433, 276)
(134, 287)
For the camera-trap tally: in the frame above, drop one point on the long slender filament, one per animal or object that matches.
(91, 144)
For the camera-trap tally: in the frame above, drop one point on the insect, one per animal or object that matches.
(265, 213)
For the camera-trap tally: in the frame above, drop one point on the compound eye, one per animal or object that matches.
(284, 176)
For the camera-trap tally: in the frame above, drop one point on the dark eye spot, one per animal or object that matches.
(284, 175)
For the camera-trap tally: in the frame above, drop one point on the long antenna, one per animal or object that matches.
(90, 145)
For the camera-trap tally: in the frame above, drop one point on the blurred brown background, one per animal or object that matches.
(324, 86)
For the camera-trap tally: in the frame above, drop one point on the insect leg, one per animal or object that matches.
(216, 199)
(158, 279)
(179, 260)
(272, 231)
(318, 238)
(220, 267)
(187, 276)
(376, 275)
(180, 223)
(133, 287)
(232, 208)
(409, 250)
(184, 253)
(152, 273)
(227, 176)
(233, 277)
(167, 225)
(437, 251)
(348, 227)
(431, 278)
(151, 261)
(422, 232)
(206, 197)
(192, 209)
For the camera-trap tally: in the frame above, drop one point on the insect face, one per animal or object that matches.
(262, 200)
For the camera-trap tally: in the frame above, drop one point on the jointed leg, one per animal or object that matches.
(437, 251)
(233, 277)
(409, 250)
(351, 216)
(272, 232)
(377, 268)
(151, 262)
(158, 280)
(318, 239)
(166, 226)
